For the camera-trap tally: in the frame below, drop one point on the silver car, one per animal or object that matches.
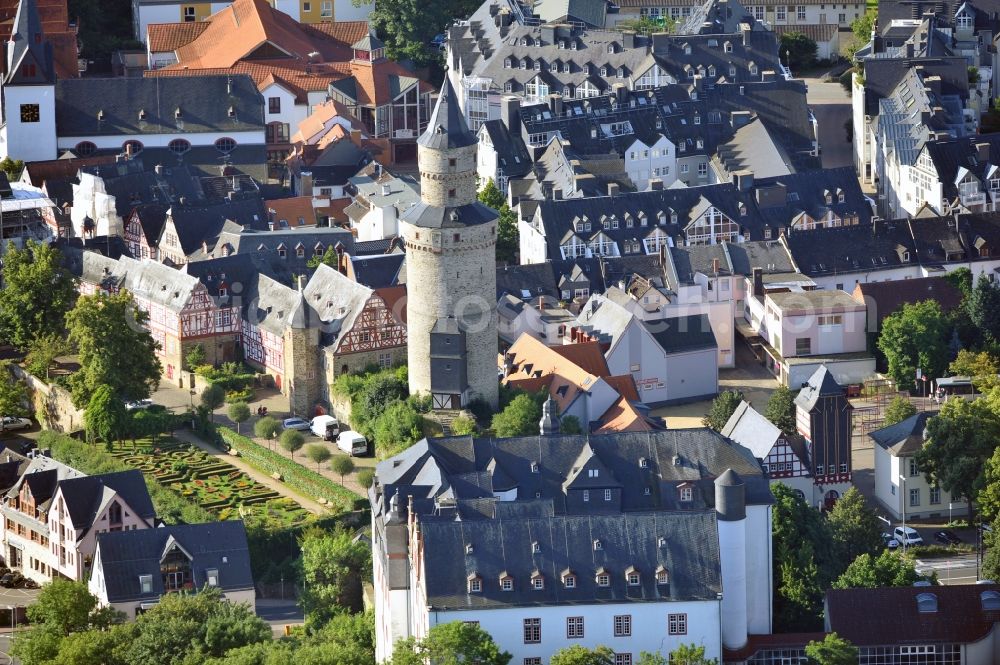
(13, 422)
(296, 423)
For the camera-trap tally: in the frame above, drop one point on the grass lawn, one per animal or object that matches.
(209, 482)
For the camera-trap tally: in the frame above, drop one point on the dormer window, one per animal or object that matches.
(537, 581)
(177, 113)
(535, 547)
(661, 541)
(597, 545)
(602, 577)
(662, 575)
(506, 582)
(212, 577)
(469, 549)
(569, 580)
(632, 576)
(142, 114)
(475, 583)
(534, 467)
(686, 494)
(646, 491)
(145, 584)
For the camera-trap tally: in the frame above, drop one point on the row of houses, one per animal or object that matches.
(60, 523)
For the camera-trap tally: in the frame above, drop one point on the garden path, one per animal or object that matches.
(281, 488)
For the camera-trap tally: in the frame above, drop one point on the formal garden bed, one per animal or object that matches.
(208, 482)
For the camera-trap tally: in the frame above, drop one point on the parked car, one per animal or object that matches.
(13, 422)
(907, 536)
(138, 404)
(947, 537)
(352, 443)
(890, 542)
(7, 580)
(296, 423)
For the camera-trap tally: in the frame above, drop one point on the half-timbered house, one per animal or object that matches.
(784, 458)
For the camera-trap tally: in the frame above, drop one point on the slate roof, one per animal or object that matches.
(769, 255)
(512, 155)
(850, 249)
(591, 12)
(112, 107)
(26, 47)
(86, 497)
(820, 384)
(890, 615)
(432, 217)
(197, 225)
(905, 437)
(42, 475)
(913, 111)
(504, 547)
(446, 128)
(681, 334)
(749, 428)
(125, 555)
(883, 74)
(336, 300)
(887, 297)
(378, 271)
(957, 158)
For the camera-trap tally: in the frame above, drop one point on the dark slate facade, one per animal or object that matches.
(823, 417)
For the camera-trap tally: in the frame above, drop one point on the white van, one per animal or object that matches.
(352, 443)
(325, 427)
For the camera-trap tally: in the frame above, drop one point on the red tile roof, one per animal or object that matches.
(292, 209)
(168, 37)
(889, 616)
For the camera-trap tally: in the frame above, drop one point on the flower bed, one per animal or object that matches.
(295, 475)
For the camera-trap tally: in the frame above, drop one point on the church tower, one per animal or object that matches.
(450, 268)
(29, 90)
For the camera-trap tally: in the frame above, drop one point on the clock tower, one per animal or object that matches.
(28, 90)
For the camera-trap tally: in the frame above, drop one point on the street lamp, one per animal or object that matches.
(902, 491)
(13, 626)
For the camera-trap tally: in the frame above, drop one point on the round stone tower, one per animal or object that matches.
(450, 268)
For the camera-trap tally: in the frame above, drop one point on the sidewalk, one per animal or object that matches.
(308, 503)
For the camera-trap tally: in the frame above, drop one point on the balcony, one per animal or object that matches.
(973, 199)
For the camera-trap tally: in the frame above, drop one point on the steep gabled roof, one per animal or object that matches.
(86, 497)
(905, 437)
(820, 384)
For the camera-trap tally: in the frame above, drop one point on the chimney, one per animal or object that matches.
(356, 137)
(621, 93)
(628, 39)
(508, 364)
(510, 112)
(715, 266)
(655, 185)
(743, 180)
(301, 282)
(769, 197)
(270, 225)
(548, 34)
(983, 152)
(758, 282)
(876, 225)
(386, 189)
(612, 189)
(557, 193)
(909, 49)
(306, 183)
(556, 104)
(593, 132)
(158, 169)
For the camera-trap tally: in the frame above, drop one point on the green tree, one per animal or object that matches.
(570, 425)
(37, 293)
(991, 559)
(581, 655)
(915, 337)
(291, 440)
(329, 258)
(722, 408)
(150, 422)
(365, 477)
(212, 398)
(333, 566)
(988, 498)
(958, 442)
(647, 658)
(114, 347)
(463, 425)
(12, 167)
(317, 454)
(452, 643)
(378, 392)
(194, 358)
(798, 49)
(898, 410)
(105, 417)
(519, 418)
(14, 398)
(342, 465)
(688, 654)
(862, 28)
(507, 234)
(647, 25)
(781, 410)
(188, 628)
(855, 527)
(396, 428)
(833, 650)
(871, 572)
(267, 428)
(239, 413)
(43, 351)
(984, 309)
(981, 367)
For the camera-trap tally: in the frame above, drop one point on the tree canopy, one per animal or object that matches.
(983, 306)
(105, 417)
(581, 655)
(455, 643)
(36, 295)
(898, 410)
(959, 441)
(781, 410)
(855, 527)
(832, 650)
(722, 408)
(915, 337)
(520, 417)
(291, 440)
(872, 572)
(13, 393)
(798, 49)
(114, 346)
(979, 366)
(333, 565)
(507, 234)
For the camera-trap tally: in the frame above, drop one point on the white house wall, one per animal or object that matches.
(115, 142)
(649, 627)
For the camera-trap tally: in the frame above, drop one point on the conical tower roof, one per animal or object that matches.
(447, 129)
(27, 46)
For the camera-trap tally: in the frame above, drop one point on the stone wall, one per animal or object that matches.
(52, 404)
(444, 172)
